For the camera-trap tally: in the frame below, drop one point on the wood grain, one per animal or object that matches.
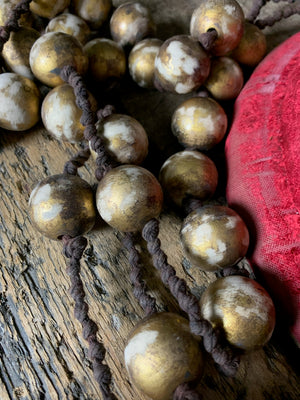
(43, 354)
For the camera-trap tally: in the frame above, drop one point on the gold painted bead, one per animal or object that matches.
(225, 80)
(20, 101)
(188, 174)
(129, 196)
(70, 24)
(107, 60)
(226, 17)
(62, 205)
(181, 65)
(252, 47)
(48, 8)
(214, 237)
(6, 7)
(93, 12)
(141, 62)
(124, 138)
(161, 353)
(51, 52)
(61, 115)
(130, 23)
(242, 308)
(199, 122)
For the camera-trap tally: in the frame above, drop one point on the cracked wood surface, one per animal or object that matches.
(43, 354)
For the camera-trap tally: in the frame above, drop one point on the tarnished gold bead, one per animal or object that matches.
(214, 237)
(107, 60)
(130, 23)
(128, 197)
(199, 122)
(93, 12)
(61, 115)
(20, 101)
(242, 308)
(225, 80)
(161, 353)
(141, 62)
(5, 10)
(188, 174)
(252, 47)
(51, 52)
(48, 8)
(16, 51)
(181, 65)
(124, 138)
(226, 17)
(70, 24)
(62, 205)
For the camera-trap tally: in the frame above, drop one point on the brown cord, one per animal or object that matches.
(71, 166)
(185, 392)
(255, 10)
(105, 112)
(73, 249)
(190, 204)
(208, 39)
(287, 11)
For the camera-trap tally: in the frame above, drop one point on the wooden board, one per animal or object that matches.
(43, 354)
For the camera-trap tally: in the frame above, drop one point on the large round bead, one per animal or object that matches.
(61, 115)
(93, 12)
(130, 23)
(48, 8)
(242, 308)
(107, 60)
(70, 24)
(62, 205)
(51, 52)
(214, 237)
(16, 51)
(161, 353)
(199, 122)
(225, 79)
(124, 138)
(226, 17)
(128, 197)
(20, 100)
(188, 174)
(181, 65)
(141, 62)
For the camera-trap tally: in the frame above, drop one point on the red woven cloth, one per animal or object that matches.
(263, 161)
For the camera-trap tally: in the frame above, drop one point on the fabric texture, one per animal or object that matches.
(263, 166)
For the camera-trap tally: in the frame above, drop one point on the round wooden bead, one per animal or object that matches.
(129, 196)
(188, 174)
(199, 122)
(226, 17)
(61, 115)
(17, 49)
(93, 12)
(161, 353)
(130, 23)
(62, 205)
(225, 80)
(124, 138)
(51, 52)
(20, 100)
(214, 237)
(48, 8)
(141, 62)
(181, 65)
(70, 24)
(242, 308)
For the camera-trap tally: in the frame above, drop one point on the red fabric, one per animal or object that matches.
(263, 161)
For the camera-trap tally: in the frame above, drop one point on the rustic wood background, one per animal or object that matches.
(43, 355)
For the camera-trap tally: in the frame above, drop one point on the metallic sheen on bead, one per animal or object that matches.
(199, 122)
(93, 12)
(241, 307)
(62, 205)
(214, 237)
(128, 197)
(51, 52)
(48, 8)
(70, 24)
(130, 23)
(226, 17)
(161, 353)
(188, 174)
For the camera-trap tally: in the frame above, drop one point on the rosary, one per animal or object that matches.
(164, 355)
